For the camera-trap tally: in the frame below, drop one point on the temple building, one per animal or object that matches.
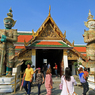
(50, 44)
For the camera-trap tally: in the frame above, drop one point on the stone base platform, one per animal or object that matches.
(6, 84)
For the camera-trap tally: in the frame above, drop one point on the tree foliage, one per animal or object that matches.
(77, 64)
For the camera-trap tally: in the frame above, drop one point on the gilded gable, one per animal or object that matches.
(48, 33)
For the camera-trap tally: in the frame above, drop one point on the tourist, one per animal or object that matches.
(44, 69)
(28, 75)
(83, 81)
(68, 83)
(55, 69)
(48, 67)
(39, 79)
(86, 74)
(48, 82)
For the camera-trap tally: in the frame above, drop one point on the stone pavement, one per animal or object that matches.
(55, 90)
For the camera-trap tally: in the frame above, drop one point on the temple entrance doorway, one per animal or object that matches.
(23, 66)
(52, 56)
(72, 66)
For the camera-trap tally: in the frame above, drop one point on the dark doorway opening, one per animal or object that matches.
(52, 56)
(70, 65)
(23, 66)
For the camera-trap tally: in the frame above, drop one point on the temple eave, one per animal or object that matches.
(27, 47)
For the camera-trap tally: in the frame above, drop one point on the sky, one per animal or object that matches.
(69, 15)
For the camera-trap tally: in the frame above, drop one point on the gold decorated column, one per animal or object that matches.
(65, 58)
(34, 59)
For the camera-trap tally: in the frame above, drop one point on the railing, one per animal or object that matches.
(16, 77)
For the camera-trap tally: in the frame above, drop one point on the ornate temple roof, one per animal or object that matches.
(58, 39)
(49, 45)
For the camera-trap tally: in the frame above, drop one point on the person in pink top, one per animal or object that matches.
(68, 83)
(48, 82)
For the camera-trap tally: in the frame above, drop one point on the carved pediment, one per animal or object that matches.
(72, 55)
(26, 55)
(48, 32)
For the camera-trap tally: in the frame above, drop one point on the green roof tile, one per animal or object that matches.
(35, 44)
(24, 33)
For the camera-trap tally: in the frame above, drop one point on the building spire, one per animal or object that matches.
(90, 17)
(49, 10)
(10, 16)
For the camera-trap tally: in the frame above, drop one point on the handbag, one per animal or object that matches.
(51, 86)
(21, 85)
(68, 89)
(61, 85)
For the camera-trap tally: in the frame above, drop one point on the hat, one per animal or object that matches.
(39, 68)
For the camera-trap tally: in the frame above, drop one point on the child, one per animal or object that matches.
(48, 82)
(86, 74)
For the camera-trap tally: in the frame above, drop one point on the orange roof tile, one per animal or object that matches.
(19, 47)
(21, 38)
(48, 43)
(80, 49)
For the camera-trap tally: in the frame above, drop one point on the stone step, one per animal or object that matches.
(91, 85)
(5, 86)
(7, 89)
(5, 83)
(6, 79)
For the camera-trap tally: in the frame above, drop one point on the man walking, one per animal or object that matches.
(55, 69)
(28, 78)
(83, 81)
(48, 67)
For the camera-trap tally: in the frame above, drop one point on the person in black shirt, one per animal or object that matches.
(44, 69)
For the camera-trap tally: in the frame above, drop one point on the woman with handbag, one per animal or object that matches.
(68, 82)
(39, 79)
(48, 82)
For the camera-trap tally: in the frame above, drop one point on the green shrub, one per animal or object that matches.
(28, 62)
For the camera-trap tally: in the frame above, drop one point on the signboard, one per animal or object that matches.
(44, 60)
(14, 70)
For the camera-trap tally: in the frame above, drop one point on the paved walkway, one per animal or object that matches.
(55, 90)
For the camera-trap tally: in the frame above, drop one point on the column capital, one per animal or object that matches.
(65, 51)
(33, 51)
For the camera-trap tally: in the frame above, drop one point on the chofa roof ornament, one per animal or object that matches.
(49, 10)
(90, 17)
(91, 22)
(10, 15)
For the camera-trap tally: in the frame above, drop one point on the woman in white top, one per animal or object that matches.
(68, 83)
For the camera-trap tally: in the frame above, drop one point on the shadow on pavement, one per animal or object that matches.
(91, 92)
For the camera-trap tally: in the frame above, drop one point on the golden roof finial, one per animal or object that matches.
(33, 32)
(73, 44)
(64, 34)
(25, 42)
(90, 17)
(89, 13)
(49, 10)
